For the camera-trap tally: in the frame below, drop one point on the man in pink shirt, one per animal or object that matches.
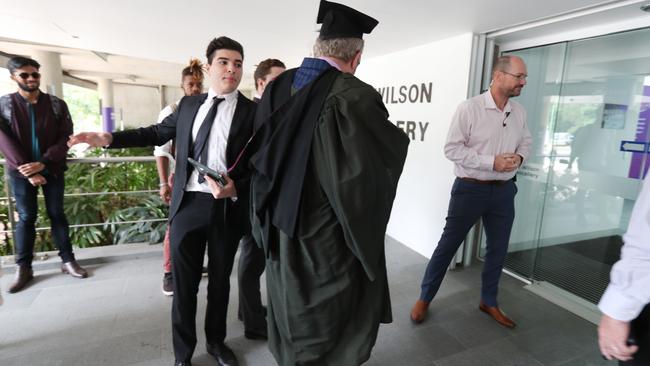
(488, 140)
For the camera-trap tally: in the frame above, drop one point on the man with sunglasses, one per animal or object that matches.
(487, 141)
(34, 130)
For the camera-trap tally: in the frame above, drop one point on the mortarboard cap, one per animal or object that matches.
(340, 21)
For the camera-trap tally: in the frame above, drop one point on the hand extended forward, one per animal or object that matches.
(94, 139)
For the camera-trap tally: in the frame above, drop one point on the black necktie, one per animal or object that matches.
(200, 152)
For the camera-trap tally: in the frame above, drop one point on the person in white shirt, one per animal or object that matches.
(213, 129)
(625, 303)
(487, 141)
(192, 84)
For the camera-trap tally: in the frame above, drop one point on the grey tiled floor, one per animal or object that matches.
(118, 317)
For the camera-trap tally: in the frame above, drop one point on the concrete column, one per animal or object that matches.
(51, 72)
(105, 89)
(163, 101)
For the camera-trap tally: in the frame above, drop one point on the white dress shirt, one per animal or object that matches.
(166, 148)
(479, 131)
(629, 287)
(218, 140)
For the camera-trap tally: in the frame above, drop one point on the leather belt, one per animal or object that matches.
(485, 182)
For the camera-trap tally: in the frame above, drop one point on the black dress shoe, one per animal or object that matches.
(223, 354)
(24, 274)
(182, 363)
(74, 269)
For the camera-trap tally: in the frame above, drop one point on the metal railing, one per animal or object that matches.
(99, 160)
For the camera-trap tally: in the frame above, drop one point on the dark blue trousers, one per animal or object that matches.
(27, 207)
(494, 204)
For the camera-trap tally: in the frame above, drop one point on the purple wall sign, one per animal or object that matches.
(108, 121)
(641, 161)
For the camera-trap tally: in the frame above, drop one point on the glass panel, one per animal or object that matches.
(586, 126)
(593, 184)
(540, 98)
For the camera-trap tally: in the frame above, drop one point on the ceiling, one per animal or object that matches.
(147, 41)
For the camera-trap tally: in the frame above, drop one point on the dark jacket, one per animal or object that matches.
(52, 129)
(178, 125)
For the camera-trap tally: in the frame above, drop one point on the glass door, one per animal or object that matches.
(588, 104)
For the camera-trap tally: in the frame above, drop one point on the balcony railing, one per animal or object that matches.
(7, 233)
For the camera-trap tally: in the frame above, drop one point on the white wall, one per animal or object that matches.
(137, 106)
(420, 207)
(172, 94)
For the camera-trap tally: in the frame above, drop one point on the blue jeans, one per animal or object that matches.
(27, 207)
(469, 202)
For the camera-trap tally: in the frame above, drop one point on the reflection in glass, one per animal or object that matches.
(584, 99)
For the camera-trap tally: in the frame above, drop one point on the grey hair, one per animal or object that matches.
(342, 48)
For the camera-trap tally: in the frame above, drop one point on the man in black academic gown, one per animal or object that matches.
(326, 169)
(212, 128)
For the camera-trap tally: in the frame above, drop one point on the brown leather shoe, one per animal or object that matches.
(74, 269)
(24, 274)
(497, 315)
(419, 311)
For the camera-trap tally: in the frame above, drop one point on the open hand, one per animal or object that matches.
(94, 139)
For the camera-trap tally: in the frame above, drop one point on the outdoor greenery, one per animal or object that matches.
(106, 209)
(84, 107)
(102, 209)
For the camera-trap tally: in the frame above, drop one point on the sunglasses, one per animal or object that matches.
(25, 75)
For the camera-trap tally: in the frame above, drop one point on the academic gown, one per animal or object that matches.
(326, 282)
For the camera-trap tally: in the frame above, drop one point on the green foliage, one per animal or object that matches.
(102, 207)
(572, 116)
(105, 209)
(140, 231)
(84, 107)
(112, 208)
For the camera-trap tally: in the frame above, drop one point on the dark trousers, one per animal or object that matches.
(200, 219)
(641, 334)
(494, 204)
(27, 207)
(250, 268)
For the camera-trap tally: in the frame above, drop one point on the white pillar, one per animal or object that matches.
(105, 89)
(51, 72)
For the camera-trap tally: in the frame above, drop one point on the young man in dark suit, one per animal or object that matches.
(212, 128)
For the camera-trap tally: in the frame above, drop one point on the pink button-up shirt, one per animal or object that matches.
(479, 131)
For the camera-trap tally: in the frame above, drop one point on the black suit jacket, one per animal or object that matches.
(178, 125)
